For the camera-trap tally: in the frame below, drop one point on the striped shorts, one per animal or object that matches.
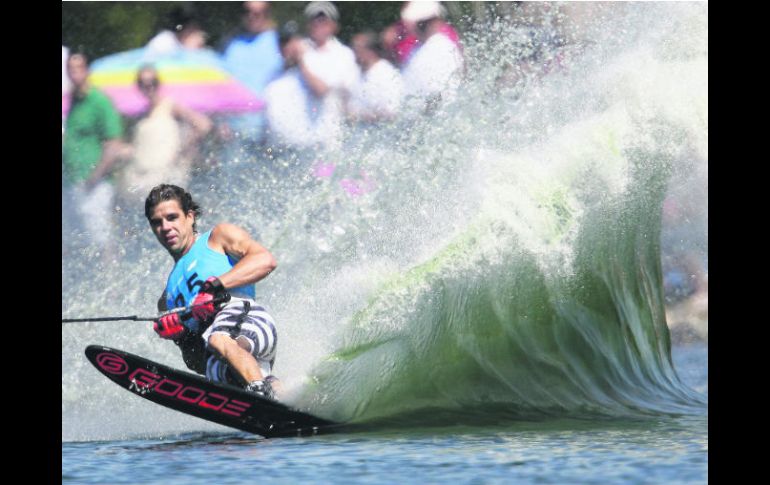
(243, 320)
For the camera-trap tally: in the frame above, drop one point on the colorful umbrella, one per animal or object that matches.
(194, 78)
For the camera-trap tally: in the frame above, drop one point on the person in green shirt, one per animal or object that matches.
(91, 147)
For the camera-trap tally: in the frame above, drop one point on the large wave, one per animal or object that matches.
(499, 258)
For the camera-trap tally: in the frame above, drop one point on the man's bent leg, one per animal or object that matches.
(244, 326)
(239, 358)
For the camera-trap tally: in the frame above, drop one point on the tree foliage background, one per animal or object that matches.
(102, 28)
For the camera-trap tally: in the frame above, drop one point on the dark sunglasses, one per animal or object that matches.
(144, 86)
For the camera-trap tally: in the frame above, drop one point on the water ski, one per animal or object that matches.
(192, 394)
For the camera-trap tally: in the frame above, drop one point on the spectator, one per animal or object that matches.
(92, 145)
(65, 81)
(400, 39)
(165, 142)
(398, 42)
(254, 58)
(287, 101)
(433, 72)
(328, 69)
(183, 31)
(377, 96)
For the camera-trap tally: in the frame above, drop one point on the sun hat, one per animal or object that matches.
(421, 11)
(317, 9)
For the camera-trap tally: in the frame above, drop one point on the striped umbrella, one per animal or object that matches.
(194, 78)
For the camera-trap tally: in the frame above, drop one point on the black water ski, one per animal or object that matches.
(192, 394)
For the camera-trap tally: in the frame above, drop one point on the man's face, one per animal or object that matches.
(172, 227)
(321, 29)
(256, 16)
(77, 70)
(148, 82)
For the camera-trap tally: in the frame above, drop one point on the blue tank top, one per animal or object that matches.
(192, 270)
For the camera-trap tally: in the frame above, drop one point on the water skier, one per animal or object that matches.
(233, 342)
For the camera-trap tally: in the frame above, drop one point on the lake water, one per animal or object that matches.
(656, 450)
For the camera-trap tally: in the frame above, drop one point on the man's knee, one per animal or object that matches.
(220, 342)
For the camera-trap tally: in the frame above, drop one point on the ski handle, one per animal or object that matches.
(182, 309)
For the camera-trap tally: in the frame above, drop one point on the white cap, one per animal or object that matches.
(420, 11)
(314, 9)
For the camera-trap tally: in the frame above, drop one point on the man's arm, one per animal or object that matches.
(201, 123)
(201, 126)
(296, 49)
(255, 261)
(162, 307)
(317, 86)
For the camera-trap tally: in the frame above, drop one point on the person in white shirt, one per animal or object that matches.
(183, 31)
(377, 96)
(287, 102)
(327, 68)
(433, 73)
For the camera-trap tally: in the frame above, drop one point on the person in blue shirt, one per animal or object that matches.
(254, 58)
(227, 335)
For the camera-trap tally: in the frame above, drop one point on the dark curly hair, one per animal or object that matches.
(163, 192)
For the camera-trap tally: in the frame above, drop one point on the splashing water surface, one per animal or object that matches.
(499, 259)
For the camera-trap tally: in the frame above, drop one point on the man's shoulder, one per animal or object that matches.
(383, 67)
(94, 101)
(238, 42)
(222, 230)
(224, 235)
(253, 41)
(333, 48)
(439, 50)
(93, 96)
(221, 226)
(269, 35)
(341, 49)
(96, 95)
(100, 99)
(440, 42)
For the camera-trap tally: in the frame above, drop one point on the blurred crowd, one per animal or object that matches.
(311, 86)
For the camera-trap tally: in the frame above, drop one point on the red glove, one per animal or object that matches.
(203, 306)
(169, 326)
